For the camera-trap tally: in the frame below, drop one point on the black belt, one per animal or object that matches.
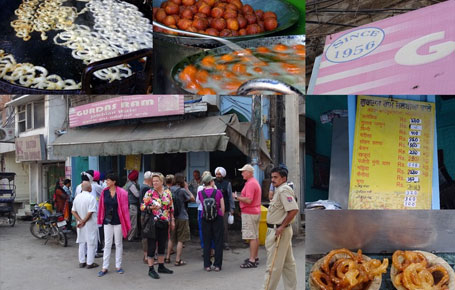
(275, 226)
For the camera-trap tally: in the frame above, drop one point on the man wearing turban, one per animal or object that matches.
(229, 206)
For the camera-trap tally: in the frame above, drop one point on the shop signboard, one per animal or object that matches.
(126, 107)
(68, 172)
(31, 148)
(392, 159)
(412, 53)
(133, 162)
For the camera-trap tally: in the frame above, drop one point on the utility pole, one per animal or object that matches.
(292, 149)
(276, 132)
(255, 131)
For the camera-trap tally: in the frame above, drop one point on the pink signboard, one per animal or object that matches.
(126, 107)
(68, 172)
(412, 53)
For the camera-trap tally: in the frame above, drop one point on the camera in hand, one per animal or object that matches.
(109, 215)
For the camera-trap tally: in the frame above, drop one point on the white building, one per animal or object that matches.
(8, 156)
(38, 121)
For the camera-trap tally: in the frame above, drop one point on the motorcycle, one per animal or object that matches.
(46, 225)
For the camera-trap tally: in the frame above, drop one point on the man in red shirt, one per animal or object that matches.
(250, 206)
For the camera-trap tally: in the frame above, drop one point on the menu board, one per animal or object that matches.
(392, 160)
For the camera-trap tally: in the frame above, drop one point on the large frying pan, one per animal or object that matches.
(287, 15)
(287, 40)
(58, 60)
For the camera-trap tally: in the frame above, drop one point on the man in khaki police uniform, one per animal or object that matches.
(282, 210)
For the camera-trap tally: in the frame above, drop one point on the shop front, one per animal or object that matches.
(43, 173)
(168, 147)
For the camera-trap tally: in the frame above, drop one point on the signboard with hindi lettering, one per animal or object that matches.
(392, 159)
(126, 107)
(31, 148)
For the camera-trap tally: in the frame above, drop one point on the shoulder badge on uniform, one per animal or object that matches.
(290, 199)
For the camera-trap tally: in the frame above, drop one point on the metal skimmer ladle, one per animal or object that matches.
(267, 85)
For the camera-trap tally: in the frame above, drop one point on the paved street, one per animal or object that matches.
(26, 263)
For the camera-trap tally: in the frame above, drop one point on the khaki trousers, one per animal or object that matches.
(284, 261)
(133, 218)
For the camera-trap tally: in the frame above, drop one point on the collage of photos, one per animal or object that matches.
(204, 47)
(253, 144)
(379, 160)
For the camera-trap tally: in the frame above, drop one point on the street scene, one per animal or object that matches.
(172, 186)
(380, 47)
(27, 263)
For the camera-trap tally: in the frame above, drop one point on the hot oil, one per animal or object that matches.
(272, 70)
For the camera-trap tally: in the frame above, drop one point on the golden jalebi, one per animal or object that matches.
(415, 273)
(347, 271)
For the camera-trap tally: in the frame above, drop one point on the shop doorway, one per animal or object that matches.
(52, 173)
(114, 164)
(232, 159)
(167, 163)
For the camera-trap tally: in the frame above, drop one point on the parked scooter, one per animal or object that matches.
(46, 225)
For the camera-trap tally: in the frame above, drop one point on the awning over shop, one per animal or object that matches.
(201, 134)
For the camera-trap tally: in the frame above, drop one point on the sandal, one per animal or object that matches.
(167, 260)
(180, 263)
(256, 261)
(248, 265)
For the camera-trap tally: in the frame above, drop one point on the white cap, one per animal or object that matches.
(247, 167)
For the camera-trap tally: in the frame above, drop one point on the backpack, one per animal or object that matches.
(209, 205)
(177, 202)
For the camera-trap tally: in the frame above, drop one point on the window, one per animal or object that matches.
(31, 116)
(21, 122)
(38, 115)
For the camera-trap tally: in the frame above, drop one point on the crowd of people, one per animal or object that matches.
(156, 213)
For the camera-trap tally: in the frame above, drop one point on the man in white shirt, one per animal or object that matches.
(84, 210)
(95, 191)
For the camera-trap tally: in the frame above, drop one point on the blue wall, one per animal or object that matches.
(445, 123)
(316, 106)
(242, 107)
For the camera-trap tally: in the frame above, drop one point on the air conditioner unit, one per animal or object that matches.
(6, 134)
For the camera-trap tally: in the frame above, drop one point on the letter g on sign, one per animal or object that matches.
(407, 55)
